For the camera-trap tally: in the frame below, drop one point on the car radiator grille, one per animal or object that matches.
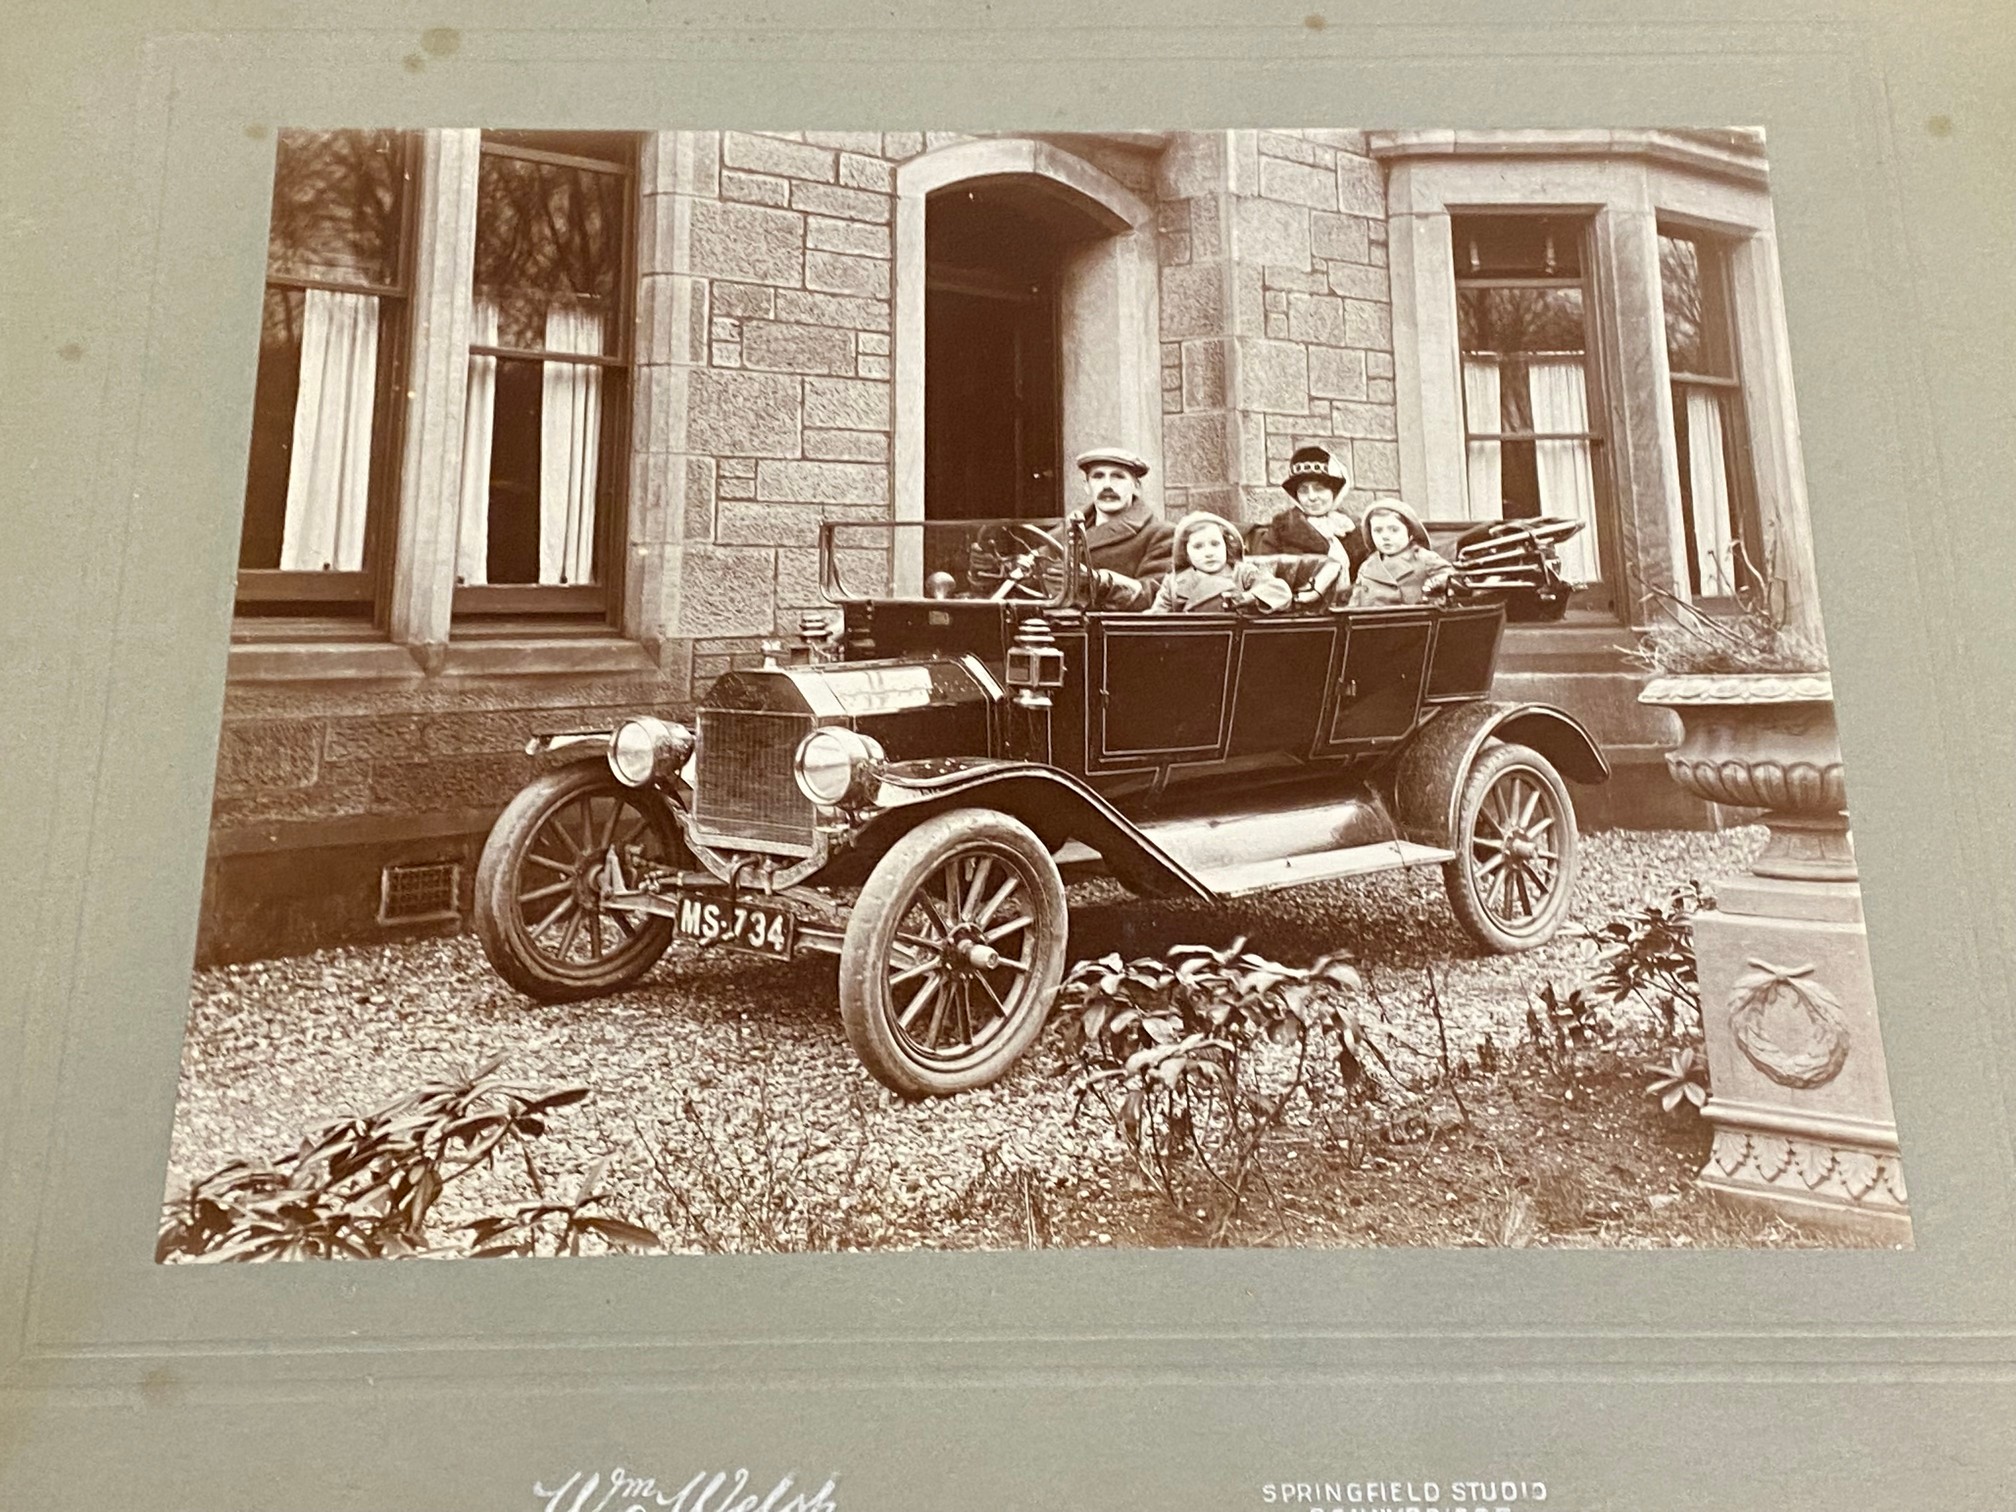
(743, 787)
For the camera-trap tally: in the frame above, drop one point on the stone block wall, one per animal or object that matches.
(772, 266)
(1277, 327)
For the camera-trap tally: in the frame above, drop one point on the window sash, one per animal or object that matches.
(264, 588)
(1735, 510)
(1483, 448)
(573, 601)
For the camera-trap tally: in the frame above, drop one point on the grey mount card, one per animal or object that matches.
(1088, 759)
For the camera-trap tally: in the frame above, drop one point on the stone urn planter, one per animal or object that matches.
(1766, 740)
(1800, 1096)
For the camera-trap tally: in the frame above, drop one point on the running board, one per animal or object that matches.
(1321, 866)
(1238, 879)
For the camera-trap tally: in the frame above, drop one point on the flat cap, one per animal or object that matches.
(1118, 456)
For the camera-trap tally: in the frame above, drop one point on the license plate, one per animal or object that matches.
(760, 928)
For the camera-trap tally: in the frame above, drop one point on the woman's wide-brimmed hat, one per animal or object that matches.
(1315, 462)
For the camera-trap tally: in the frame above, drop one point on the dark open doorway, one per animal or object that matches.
(992, 377)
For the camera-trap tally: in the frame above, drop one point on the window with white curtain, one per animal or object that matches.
(1531, 410)
(548, 364)
(1707, 415)
(318, 471)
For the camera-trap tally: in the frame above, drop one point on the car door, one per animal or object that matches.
(1376, 688)
(1160, 689)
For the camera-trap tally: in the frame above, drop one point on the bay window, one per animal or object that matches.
(1589, 323)
(1717, 510)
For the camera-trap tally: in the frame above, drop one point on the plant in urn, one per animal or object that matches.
(1800, 1095)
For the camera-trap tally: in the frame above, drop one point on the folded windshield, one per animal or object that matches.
(1025, 561)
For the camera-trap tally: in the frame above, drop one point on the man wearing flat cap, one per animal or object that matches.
(1122, 534)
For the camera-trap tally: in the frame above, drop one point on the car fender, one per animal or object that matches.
(1428, 776)
(1054, 804)
(563, 749)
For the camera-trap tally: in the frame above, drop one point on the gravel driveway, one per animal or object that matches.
(724, 1080)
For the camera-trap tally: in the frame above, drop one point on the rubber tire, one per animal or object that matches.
(871, 927)
(505, 939)
(1457, 879)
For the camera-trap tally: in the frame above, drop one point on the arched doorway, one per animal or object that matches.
(1026, 328)
(993, 389)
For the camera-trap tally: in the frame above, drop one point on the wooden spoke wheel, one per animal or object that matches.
(1515, 843)
(541, 910)
(952, 954)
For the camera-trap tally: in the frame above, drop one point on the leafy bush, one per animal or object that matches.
(1681, 1079)
(1647, 955)
(366, 1187)
(1199, 1057)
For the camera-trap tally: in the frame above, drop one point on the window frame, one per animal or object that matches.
(1603, 596)
(489, 608)
(273, 593)
(1713, 259)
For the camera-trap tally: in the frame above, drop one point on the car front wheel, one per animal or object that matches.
(540, 907)
(1514, 871)
(952, 954)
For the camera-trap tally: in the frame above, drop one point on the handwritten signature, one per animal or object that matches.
(623, 1491)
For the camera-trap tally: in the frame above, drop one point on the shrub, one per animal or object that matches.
(1680, 1080)
(1199, 1057)
(1559, 1025)
(366, 1187)
(1647, 955)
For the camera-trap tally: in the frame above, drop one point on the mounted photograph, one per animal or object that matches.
(878, 690)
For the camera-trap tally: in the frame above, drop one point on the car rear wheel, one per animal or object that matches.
(1514, 871)
(952, 954)
(540, 908)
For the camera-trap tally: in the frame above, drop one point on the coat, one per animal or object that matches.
(1398, 579)
(1135, 542)
(1289, 533)
(1192, 591)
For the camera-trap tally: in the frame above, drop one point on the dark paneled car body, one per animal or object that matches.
(903, 785)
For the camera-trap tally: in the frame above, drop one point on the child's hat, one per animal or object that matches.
(1235, 549)
(1315, 462)
(1416, 531)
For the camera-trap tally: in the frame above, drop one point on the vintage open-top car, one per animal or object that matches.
(902, 787)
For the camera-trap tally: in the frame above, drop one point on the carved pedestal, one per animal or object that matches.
(1800, 1095)
(1801, 1099)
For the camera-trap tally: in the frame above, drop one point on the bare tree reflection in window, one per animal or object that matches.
(548, 296)
(325, 350)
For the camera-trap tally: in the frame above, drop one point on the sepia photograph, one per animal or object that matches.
(831, 691)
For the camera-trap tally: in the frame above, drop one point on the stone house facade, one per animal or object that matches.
(581, 403)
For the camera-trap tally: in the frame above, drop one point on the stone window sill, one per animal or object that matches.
(277, 661)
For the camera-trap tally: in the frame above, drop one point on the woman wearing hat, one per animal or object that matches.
(1313, 525)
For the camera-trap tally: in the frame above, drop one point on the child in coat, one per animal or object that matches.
(1399, 566)
(1211, 575)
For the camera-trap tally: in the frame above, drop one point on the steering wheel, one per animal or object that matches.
(1023, 547)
